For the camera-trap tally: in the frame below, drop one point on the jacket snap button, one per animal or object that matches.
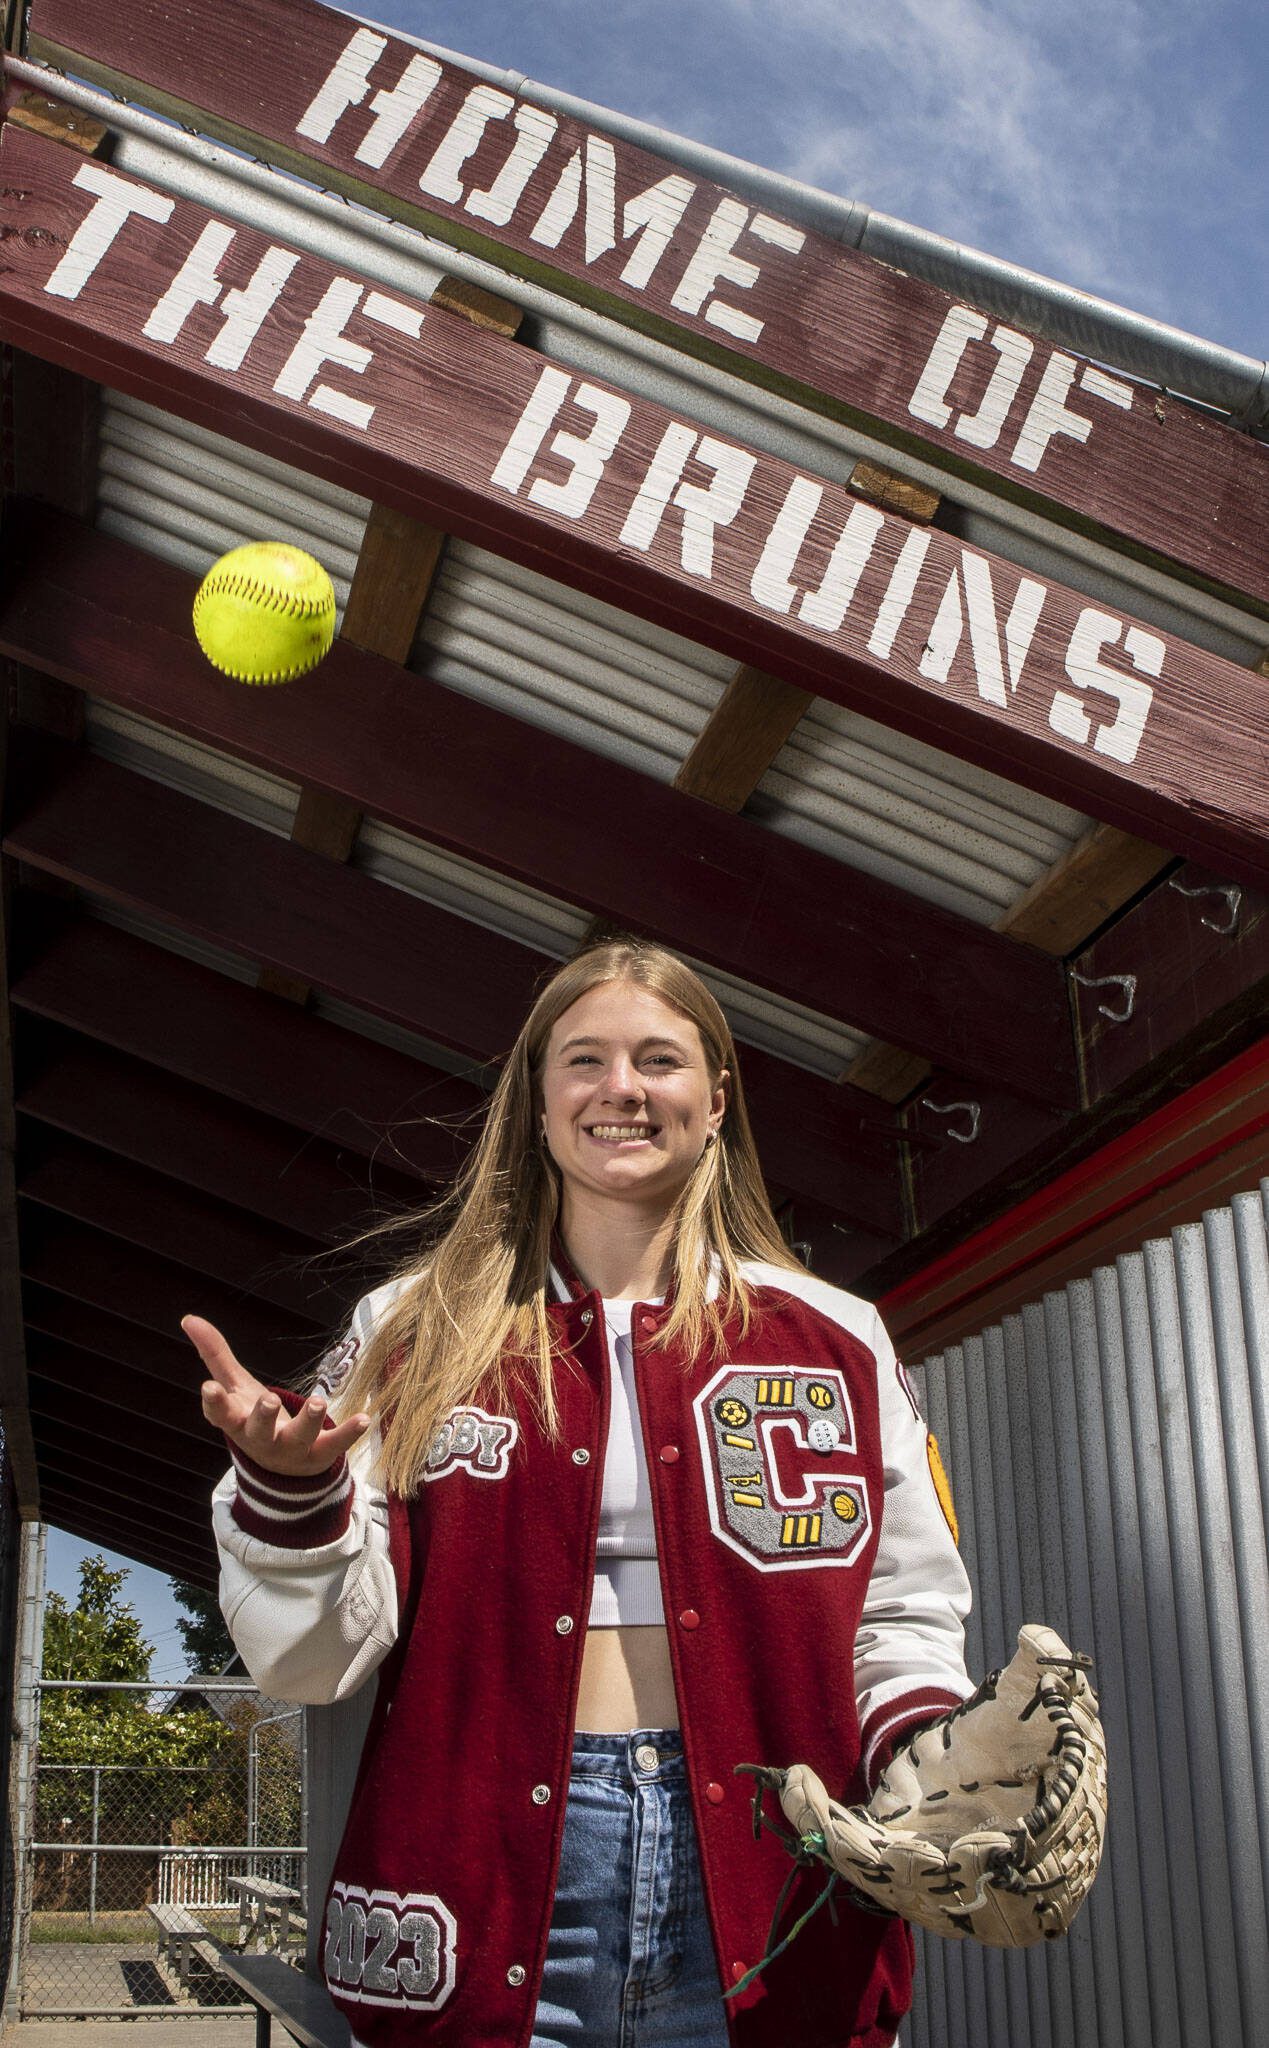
(669, 1454)
(715, 1794)
(581, 1457)
(689, 1618)
(737, 1972)
(516, 1974)
(587, 1318)
(564, 1626)
(541, 1793)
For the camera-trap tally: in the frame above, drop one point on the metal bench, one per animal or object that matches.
(183, 1938)
(300, 2004)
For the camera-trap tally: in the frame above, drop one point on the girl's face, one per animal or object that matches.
(628, 1101)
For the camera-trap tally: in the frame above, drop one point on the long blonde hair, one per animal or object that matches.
(471, 1313)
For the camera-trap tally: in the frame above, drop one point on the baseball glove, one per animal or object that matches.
(990, 1821)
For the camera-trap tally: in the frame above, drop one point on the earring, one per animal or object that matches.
(711, 1138)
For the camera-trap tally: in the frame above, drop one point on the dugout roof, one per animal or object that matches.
(915, 694)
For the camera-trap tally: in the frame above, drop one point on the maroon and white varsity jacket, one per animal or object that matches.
(814, 1602)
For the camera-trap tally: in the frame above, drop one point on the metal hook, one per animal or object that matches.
(1232, 895)
(1126, 982)
(972, 1110)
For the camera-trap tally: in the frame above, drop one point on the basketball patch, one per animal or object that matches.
(781, 1473)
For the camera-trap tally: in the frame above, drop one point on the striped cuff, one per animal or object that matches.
(888, 1727)
(289, 1512)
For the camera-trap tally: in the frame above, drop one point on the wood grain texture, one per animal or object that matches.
(57, 122)
(882, 487)
(211, 875)
(831, 327)
(741, 738)
(451, 771)
(459, 428)
(1195, 945)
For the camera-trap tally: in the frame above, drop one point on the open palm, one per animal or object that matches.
(252, 1416)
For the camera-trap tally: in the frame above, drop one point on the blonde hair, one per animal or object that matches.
(471, 1314)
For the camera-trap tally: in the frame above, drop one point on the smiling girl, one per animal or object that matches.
(615, 1497)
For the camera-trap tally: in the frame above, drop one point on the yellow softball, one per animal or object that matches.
(265, 613)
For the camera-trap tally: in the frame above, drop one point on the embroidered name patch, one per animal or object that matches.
(778, 1448)
(334, 1365)
(382, 1949)
(479, 1443)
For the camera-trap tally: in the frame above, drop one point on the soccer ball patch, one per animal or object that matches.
(778, 1450)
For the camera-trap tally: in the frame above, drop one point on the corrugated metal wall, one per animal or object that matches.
(1109, 1452)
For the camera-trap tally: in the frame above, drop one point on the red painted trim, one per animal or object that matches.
(1131, 1162)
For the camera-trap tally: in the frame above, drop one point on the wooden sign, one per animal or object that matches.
(738, 549)
(369, 114)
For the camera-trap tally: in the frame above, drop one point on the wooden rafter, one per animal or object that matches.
(1061, 910)
(155, 850)
(449, 770)
(397, 564)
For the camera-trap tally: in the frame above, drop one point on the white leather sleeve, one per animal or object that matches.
(312, 1625)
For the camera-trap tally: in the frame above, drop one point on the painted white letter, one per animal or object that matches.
(347, 86)
(1122, 737)
(324, 341)
(463, 137)
(714, 260)
(534, 131)
(117, 200)
(1048, 416)
(245, 308)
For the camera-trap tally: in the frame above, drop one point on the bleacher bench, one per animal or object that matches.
(280, 1992)
(183, 1938)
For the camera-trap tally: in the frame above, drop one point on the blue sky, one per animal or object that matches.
(147, 1592)
(1119, 148)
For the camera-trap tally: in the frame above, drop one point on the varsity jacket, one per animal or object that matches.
(814, 1602)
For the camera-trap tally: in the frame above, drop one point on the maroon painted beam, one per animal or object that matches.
(107, 1339)
(73, 1084)
(1195, 949)
(472, 433)
(262, 1054)
(105, 1273)
(202, 1462)
(451, 771)
(174, 1405)
(159, 1215)
(429, 143)
(88, 1517)
(334, 927)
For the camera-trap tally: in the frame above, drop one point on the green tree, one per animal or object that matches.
(207, 1642)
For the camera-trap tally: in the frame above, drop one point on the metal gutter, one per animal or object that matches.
(1219, 377)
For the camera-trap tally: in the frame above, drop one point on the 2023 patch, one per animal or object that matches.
(383, 1948)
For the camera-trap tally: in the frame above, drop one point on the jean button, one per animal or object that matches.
(646, 1757)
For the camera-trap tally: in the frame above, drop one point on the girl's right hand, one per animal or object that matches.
(253, 1418)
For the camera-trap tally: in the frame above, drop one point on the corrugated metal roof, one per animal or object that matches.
(559, 659)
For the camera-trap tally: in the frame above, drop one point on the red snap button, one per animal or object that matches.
(689, 1618)
(669, 1454)
(737, 1972)
(715, 1794)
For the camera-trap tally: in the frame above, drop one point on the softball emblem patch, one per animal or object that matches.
(265, 613)
(778, 1449)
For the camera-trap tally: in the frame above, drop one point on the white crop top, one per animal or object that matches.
(627, 1584)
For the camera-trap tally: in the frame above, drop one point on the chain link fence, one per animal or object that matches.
(167, 1827)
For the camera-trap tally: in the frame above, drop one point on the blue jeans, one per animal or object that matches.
(629, 1960)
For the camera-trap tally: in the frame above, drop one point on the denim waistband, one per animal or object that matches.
(641, 1757)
